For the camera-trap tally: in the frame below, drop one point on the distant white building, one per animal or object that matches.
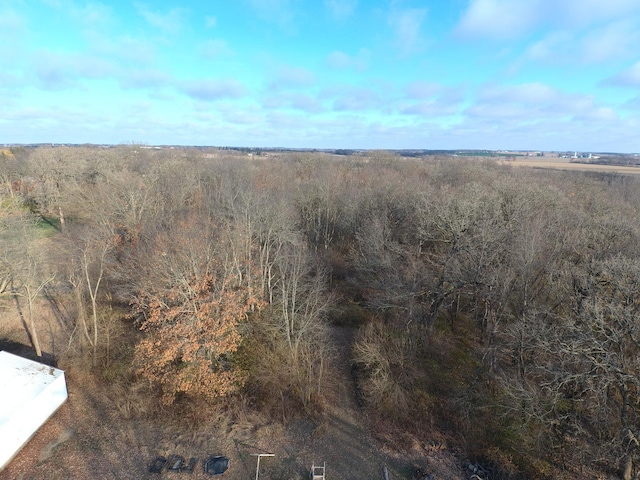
(31, 393)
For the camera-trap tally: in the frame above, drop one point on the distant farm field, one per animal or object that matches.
(566, 164)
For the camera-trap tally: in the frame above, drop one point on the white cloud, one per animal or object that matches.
(57, 71)
(146, 79)
(586, 12)
(280, 12)
(126, 50)
(13, 33)
(285, 120)
(509, 19)
(242, 117)
(210, 22)
(407, 25)
(12, 83)
(11, 23)
(431, 99)
(124, 60)
(306, 103)
(432, 108)
(535, 103)
(597, 115)
(550, 47)
(498, 19)
(353, 98)
(612, 41)
(216, 48)
(226, 112)
(421, 90)
(288, 77)
(212, 89)
(528, 94)
(629, 77)
(340, 60)
(337, 59)
(603, 44)
(53, 3)
(294, 101)
(341, 9)
(633, 103)
(169, 22)
(92, 15)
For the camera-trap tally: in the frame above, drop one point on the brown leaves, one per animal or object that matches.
(190, 344)
(193, 312)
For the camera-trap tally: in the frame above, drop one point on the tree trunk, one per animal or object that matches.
(30, 326)
(61, 217)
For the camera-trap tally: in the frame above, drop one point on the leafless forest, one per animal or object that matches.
(491, 308)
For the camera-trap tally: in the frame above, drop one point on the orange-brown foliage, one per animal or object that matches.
(192, 319)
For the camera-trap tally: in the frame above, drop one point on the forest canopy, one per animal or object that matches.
(496, 305)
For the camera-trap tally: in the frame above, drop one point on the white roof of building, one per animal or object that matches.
(31, 392)
(21, 380)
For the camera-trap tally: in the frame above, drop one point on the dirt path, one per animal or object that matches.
(343, 440)
(340, 440)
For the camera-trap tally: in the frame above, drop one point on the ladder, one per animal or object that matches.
(317, 472)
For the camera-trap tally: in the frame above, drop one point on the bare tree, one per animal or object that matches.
(11, 173)
(24, 271)
(290, 337)
(87, 253)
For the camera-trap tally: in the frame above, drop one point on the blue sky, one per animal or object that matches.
(434, 74)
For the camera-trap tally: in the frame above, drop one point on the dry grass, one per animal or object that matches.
(112, 427)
